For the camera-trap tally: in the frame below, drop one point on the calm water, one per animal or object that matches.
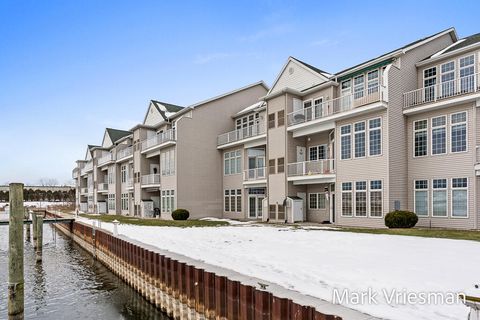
(70, 284)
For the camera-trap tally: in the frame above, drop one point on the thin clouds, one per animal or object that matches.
(217, 56)
(274, 31)
(324, 43)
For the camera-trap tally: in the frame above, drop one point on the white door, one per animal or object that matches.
(303, 195)
(255, 206)
(301, 154)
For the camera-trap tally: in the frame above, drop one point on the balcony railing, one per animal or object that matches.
(106, 158)
(441, 91)
(158, 139)
(103, 187)
(150, 179)
(254, 174)
(240, 134)
(336, 106)
(124, 153)
(308, 168)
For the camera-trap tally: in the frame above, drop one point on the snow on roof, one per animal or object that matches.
(252, 107)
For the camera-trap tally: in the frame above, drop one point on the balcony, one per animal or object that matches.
(443, 94)
(124, 154)
(106, 159)
(309, 172)
(150, 180)
(87, 168)
(158, 141)
(75, 173)
(243, 135)
(322, 117)
(255, 176)
(102, 188)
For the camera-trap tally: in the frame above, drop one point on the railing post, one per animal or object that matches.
(15, 254)
(38, 250)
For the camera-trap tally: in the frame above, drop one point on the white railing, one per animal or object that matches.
(124, 153)
(240, 134)
(457, 87)
(130, 183)
(338, 105)
(158, 139)
(254, 174)
(150, 179)
(103, 187)
(307, 168)
(106, 158)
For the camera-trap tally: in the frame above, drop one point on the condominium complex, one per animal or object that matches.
(397, 132)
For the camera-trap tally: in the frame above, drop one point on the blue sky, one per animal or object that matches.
(68, 69)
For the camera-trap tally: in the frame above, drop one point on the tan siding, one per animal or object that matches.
(300, 79)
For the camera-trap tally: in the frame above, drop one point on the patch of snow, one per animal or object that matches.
(38, 204)
(318, 263)
(230, 221)
(250, 108)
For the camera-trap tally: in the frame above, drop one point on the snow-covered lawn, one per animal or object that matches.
(38, 204)
(317, 262)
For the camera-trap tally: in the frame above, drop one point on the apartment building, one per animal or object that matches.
(399, 131)
(169, 161)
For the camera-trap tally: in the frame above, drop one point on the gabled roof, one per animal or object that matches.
(462, 43)
(319, 71)
(166, 110)
(402, 49)
(116, 134)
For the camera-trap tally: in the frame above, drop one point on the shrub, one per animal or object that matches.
(180, 214)
(401, 219)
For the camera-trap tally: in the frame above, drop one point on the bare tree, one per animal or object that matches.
(48, 182)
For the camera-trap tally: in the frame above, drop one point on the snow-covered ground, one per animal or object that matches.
(38, 204)
(317, 262)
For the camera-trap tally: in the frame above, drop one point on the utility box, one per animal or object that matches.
(147, 208)
(294, 209)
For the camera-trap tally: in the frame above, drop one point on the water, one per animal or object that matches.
(70, 284)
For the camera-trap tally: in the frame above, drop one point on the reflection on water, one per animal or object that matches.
(70, 284)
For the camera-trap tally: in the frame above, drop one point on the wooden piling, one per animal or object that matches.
(34, 229)
(16, 280)
(39, 242)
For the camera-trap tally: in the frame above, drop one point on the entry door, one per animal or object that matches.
(255, 208)
(301, 154)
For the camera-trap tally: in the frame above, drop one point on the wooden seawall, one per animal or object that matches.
(181, 290)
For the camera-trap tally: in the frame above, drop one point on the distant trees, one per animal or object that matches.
(30, 194)
(48, 182)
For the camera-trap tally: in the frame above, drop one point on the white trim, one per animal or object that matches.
(341, 142)
(440, 189)
(351, 215)
(354, 156)
(355, 199)
(451, 194)
(451, 131)
(431, 128)
(381, 137)
(317, 202)
(415, 197)
(413, 137)
(370, 190)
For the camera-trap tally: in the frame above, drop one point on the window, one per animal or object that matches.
(358, 86)
(280, 165)
(111, 202)
(167, 162)
(124, 201)
(467, 73)
(372, 81)
(281, 118)
(271, 166)
(439, 135)
(316, 201)
(346, 141)
(168, 200)
(271, 120)
(111, 176)
(459, 132)
(429, 82)
(317, 106)
(375, 137)
(421, 197)
(361, 199)
(459, 197)
(123, 173)
(233, 200)
(439, 198)
(232, 162)
(359, 141)
(317, 152)
(272, 211)
(247, 121)
(376, 201)
(347, 207)
(420, 137)
(447, 71)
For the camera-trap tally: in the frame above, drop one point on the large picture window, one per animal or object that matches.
(467, 73)
(233, 200)
(420, 138)
(347, 205)
(361, 198)
(376, 199)
(232, 162)
(167, 162)
(316, 201)
(421, 197)
(360, 140)
(317, 152)
(429, 82)
(447, 71)
(168, 200)
(439, 135)
(459, 132)
(375, 136)
(439, 198)
(459, 197)
(346, 141)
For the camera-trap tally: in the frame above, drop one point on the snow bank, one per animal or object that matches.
(38, 204)
(317, 262)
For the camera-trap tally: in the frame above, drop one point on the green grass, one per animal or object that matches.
(155, 222)
(420, 232)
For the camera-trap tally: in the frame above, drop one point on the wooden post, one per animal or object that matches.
(16, 279)
(34, 229)
(38, 249)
